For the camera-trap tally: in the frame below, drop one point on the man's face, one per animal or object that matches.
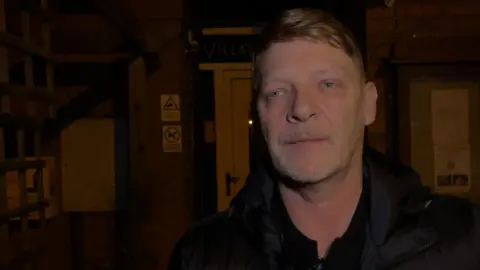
(313, 107)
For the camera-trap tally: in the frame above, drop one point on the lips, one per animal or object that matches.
(302, 141)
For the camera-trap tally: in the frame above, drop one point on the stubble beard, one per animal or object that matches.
(312, 174)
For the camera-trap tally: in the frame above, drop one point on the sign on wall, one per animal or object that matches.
(172, 139)
(170, 108)
(218, 49)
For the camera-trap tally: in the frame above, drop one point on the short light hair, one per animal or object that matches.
(309, 24)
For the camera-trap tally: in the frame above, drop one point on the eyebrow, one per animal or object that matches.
(279, 77)
(335, 71)
(275, 79)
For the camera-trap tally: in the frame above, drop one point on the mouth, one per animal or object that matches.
(306, 141)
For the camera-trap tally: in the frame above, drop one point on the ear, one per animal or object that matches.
(369, 103)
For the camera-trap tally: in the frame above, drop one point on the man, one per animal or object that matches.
(320, 200)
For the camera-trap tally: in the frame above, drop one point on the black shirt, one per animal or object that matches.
(344, 253)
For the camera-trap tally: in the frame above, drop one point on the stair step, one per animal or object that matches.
(85, 73)
(19, 43)
(85, 33)
(24, 92)
(72, 69)
(63, 94)
(90, 58)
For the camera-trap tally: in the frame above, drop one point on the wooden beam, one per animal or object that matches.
(22, 210)
(30, 93)
(16, 165)
(119, 16)
(24, 45)
(20, 121)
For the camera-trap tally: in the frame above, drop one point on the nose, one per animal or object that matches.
(303, 107)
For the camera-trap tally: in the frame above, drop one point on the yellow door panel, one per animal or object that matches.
(232, 107)
(223, 135)
(233, 94)
(241, 97)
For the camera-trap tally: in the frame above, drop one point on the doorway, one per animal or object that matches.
(231, 127)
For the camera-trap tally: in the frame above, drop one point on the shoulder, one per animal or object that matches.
(203, 236)
(456, 220)
(462, 212)
(206, 228)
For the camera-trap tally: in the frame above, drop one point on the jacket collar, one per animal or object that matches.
(394, 189)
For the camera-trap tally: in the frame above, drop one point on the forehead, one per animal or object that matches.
(306, 57)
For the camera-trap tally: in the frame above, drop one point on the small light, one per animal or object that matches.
(250, 122)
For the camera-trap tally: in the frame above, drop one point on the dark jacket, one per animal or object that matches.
(409, 228)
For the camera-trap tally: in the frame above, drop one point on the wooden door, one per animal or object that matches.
(235, 165)
(233, 94)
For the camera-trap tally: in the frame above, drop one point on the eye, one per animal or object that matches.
(277, 93)
(328, 84)
(274, 93)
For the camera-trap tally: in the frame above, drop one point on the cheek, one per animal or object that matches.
(271, 119)
(271, 127)
(353, 122)
(266, 123)
(343, 118)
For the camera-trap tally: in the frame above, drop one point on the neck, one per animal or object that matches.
(323, 211)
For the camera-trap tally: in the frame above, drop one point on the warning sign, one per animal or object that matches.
(172, 139)
(170, 108)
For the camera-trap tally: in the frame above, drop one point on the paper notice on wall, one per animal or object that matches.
(450, 117)
(450, 136)
(452, 169)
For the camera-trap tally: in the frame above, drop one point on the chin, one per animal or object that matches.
(305, 173)
(307, 177)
